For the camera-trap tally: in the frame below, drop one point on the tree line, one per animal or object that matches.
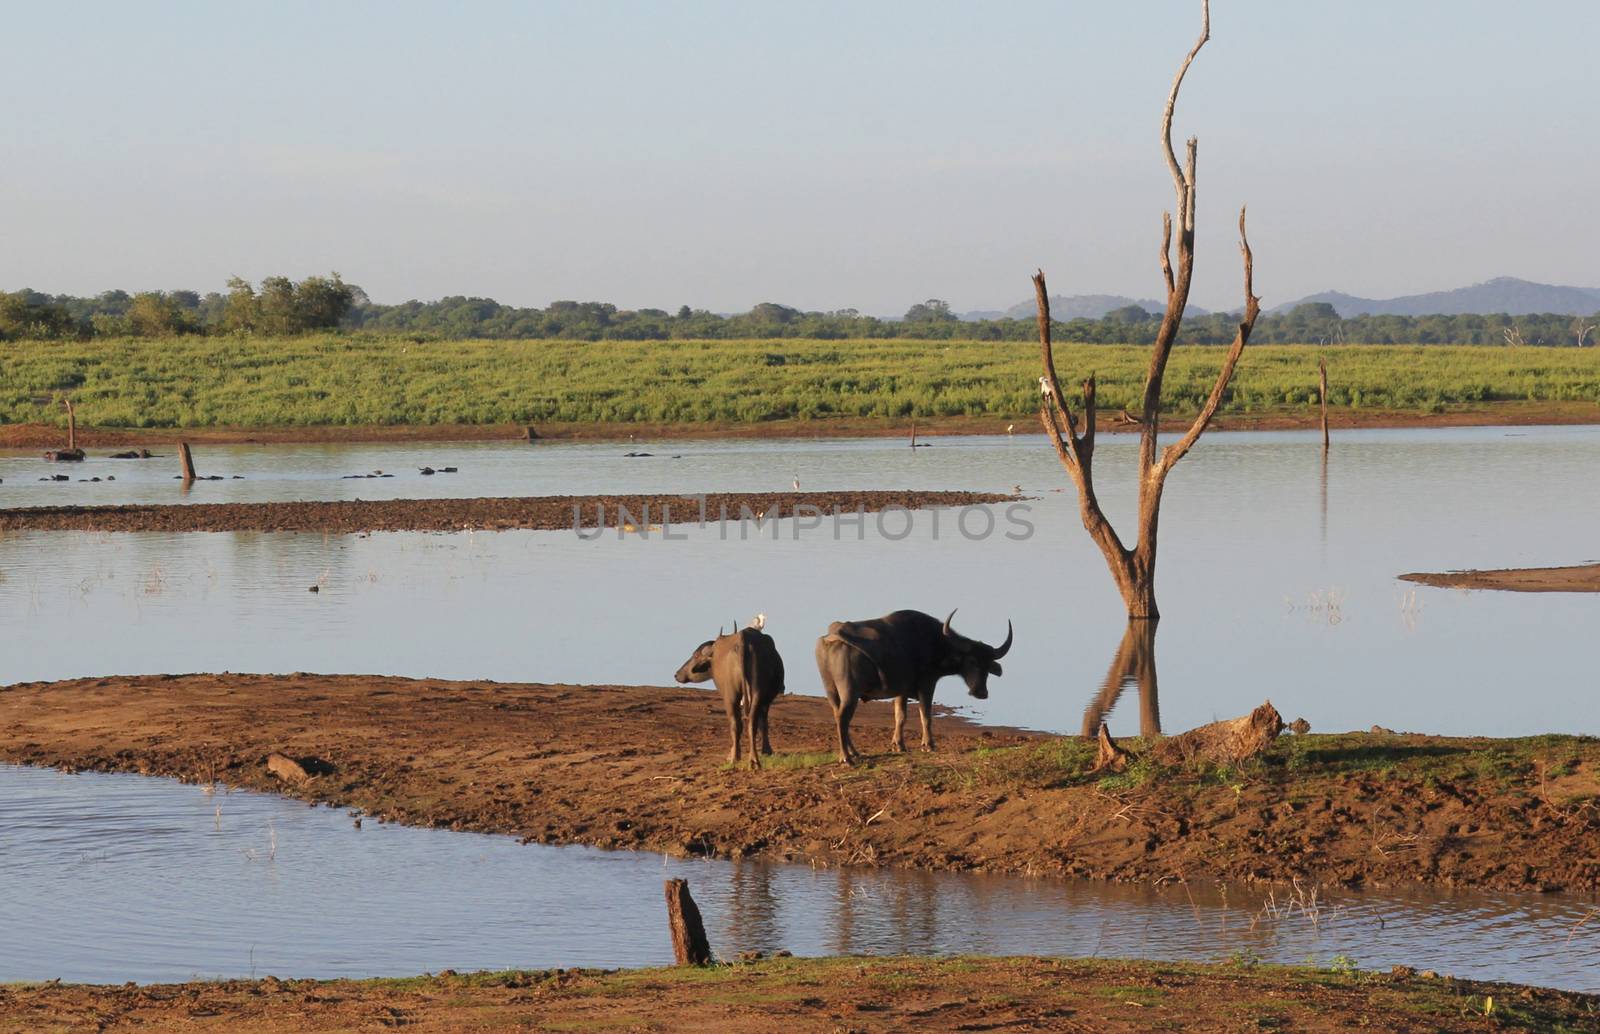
(281, 306)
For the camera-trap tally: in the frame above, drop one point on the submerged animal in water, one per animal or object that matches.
(747, 671)
(900, 656)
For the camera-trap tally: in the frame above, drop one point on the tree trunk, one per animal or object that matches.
(185, 458)
(72, 428)
(689, 944)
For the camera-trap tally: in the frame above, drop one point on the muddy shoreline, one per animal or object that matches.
(1509, 414)
(642, 514)
(785, 995)
(643, 768)
(1579, 578)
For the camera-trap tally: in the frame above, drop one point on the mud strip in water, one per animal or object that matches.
(1478, 414)
(785, 996)
(1581, 578)
(647, 514)
(645, 767)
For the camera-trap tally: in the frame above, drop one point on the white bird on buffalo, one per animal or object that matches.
(759, 623)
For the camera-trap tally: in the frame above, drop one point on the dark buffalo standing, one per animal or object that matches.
(746, 668)
(900, 656)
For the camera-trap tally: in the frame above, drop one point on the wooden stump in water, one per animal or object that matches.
(689, 944)
(187, 460)
(1322, 391)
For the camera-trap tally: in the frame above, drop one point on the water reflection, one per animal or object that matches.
(1133, 665)
(1323, 527)
(1243, 532)
(148, 880)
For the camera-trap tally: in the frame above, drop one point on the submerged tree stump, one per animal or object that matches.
(689, 944)
(1322, 392)
(185, 458)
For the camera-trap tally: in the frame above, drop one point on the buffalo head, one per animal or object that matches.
(698, 667)
(972, 660)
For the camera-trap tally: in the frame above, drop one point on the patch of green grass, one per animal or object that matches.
(800, 759)
(1133, 993)
(334, 380)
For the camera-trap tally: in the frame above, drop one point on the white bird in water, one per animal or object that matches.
(1010, 428)
(797, 484)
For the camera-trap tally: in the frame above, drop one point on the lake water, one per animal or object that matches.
(135, 878)
(1276, 579)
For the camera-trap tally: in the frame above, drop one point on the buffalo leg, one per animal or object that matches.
(898, 742)
(734, 730)
(766, 738)
(751, 718)
(925, 709)
(846, 711)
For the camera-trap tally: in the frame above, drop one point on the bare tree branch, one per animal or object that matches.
(1252, 309)
(1166, 251)
(1178, 179)
(1058, 422)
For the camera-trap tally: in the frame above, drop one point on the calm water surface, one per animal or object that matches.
(133, 878)
(1276, 577)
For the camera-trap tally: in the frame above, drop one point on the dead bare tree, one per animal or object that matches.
(1584, 330)
(1134, 569)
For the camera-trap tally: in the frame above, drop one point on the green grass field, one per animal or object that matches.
(333, 380)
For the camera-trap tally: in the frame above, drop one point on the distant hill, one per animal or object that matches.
(1502, 294)
(1076, 306)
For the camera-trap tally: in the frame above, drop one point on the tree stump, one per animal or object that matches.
(187, 460)
(689, 944)
(1322, 391)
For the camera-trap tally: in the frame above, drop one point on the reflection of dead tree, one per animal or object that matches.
(1134, 665)
(1134, 569)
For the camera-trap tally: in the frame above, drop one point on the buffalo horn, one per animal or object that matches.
(947, 629)
(1004, 647)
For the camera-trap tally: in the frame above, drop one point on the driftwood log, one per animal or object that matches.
(689, 944)
(1221, 743)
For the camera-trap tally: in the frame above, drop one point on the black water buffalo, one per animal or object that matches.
(900, 656)
(746, 668)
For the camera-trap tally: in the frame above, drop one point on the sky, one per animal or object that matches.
(825, 155)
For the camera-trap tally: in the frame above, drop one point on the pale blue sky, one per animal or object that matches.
(823, 154)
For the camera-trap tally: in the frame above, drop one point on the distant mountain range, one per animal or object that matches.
(1075, 307)
(1502, 294)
